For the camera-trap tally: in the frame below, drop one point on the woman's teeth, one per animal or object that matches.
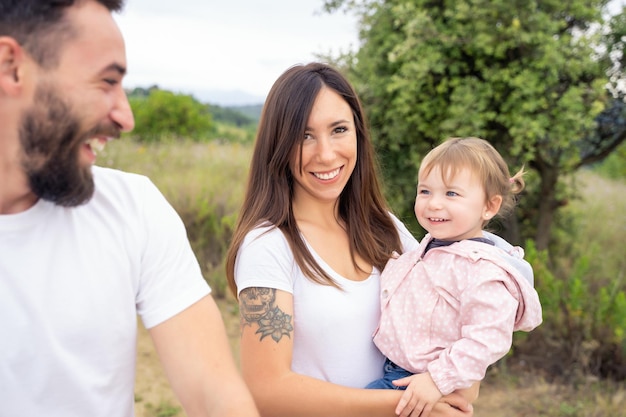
(328, 175)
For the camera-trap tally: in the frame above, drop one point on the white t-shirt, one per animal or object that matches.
(332, 328)
(72, 281)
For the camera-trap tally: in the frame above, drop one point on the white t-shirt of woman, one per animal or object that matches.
(332, 327)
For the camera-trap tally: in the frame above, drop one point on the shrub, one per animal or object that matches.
(166, 114)
(584, 323)
(614, 166)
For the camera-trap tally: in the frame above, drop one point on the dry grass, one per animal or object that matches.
(187, 173)
(514, 392)
(600, 225)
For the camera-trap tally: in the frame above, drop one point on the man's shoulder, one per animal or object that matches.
(112, 182)
(110, 177)
(118, 190)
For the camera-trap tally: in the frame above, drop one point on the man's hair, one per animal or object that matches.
(40, 27)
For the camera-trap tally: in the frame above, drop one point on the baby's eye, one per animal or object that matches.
(424, 192)
(451, 194)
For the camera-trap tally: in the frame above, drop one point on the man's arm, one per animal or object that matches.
(194, 350)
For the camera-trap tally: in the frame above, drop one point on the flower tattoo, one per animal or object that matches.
(276, 324)
(258, 305)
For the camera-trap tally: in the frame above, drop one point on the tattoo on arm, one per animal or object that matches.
(258, 305)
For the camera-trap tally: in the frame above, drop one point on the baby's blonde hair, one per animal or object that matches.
(482, 159)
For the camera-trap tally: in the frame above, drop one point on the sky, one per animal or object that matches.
(230, 52)
(227, 52)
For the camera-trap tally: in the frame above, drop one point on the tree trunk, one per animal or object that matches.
(547, 206)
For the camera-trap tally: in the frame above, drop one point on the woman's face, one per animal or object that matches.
(329, 150)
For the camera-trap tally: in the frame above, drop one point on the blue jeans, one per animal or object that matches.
(392, 372)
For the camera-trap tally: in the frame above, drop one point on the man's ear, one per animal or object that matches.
(12, 58)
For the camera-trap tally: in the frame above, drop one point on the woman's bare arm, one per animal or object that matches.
(266, 352)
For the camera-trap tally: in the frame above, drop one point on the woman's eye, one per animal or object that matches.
(341, 129)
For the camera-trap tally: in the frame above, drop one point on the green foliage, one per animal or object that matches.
(252, 111)
(525, 75)
(209, 228)
(614, 166)
(165, 114)
(236, 116)
(241, 116)
(593, 223)
(582, 286)
(141, 92)
(584, 323)
(233, 134)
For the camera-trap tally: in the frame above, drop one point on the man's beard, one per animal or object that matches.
(52, 139)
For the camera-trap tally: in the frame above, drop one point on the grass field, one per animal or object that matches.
(514, 392)
(213, 175)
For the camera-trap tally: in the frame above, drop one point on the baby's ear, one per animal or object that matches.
(493, 206)
(12, 59)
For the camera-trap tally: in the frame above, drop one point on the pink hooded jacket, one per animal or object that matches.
(453, 312)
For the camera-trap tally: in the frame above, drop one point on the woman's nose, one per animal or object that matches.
(325, 150)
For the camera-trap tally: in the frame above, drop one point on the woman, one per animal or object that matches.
(313, 235)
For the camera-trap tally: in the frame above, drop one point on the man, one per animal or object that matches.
(84, 249)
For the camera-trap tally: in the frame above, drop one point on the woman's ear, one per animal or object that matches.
(492, 206)
(11, 61)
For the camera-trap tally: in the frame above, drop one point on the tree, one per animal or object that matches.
(161, 113)
(530, 76)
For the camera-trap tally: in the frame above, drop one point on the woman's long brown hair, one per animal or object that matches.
(371, 230)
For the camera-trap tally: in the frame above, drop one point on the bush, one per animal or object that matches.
(584, 323)
(166, 114)
(210, 226)
(614, 166)
(581, 283)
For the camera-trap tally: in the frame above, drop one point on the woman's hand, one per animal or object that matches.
(458, 403)
(453, 405)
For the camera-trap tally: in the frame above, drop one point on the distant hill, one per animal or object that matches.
(253, 111)
(237, 114)
(240, 116)
(223, 98)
